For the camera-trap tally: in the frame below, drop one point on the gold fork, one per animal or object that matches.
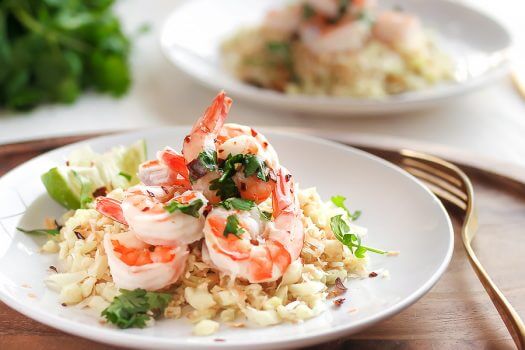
(450, 184)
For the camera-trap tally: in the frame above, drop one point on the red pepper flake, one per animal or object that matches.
(64, 304)
(165, 189)
(372, 274)
(254, 133)
(146, 208)
(67, 162)
(187, 139)
(53, 268)
(243, 186)
(151, 194)
(100, 192)
(287, 177)
(339, 302)
(79, 235)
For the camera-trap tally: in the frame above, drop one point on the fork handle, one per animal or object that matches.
(507, 313)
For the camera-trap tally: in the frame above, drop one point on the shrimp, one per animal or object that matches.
(399, 29)
(285, 20)
(201, 143)
(259, 251)
(347, 35)
(240, 139)
(146, 210)
(138, 265)
(332, 8)
(169, 169)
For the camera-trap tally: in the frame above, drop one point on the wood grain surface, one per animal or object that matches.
(455, 314)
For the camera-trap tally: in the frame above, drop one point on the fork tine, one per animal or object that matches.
(444, 195)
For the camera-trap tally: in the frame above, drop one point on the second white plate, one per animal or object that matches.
(477, 44)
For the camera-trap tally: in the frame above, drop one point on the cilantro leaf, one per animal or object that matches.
(341, 231)
(339, 201)
(191, 208)
(237, 203)
(205, 162)
(232, 226)
(133, 308)
(40, 231)
(254, 165)
(208, 159)
(228, 167)
(308, 11)
(225, 189)
(126, 176)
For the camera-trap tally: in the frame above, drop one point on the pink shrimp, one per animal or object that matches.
(169, 169)
(398, 29)
(137, 265)
(201, 141)
(240, 139)
(258, 251)
(145, 209)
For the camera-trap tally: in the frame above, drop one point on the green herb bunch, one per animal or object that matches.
(52, 50)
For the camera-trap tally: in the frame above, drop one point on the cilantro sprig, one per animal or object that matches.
(233, 227)
(40, 231)
(339, 201)
(244, 204)
(251, 164)
(192, 208)
(237, 203)
(133, 308)
(342, 232)
(125, 175)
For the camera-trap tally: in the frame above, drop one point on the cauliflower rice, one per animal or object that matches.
(202, 295)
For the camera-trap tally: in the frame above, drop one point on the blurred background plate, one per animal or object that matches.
(477, 44)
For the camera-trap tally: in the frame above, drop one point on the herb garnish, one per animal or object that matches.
(208, 159)
(339, 201)
(191, 208)
(225, 189)
(341, 231)
(233, 227)
(133, 308)
(124, 175)
(205, 162)
(253, 165)
(40, 231)
(308, 11)
(237, 203)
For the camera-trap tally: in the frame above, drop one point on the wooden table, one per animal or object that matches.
(455, 314)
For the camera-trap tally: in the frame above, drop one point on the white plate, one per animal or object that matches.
(478, 45)
(400, 213)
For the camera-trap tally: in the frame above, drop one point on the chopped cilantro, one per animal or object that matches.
(341, 231)
(133, 308)
(237, 203)
(191, 208)
(225, 189)
(233, 227)
(126, 176)
(339, 201)
(40, 231)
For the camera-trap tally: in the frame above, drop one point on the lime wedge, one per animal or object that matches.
(72, 185)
